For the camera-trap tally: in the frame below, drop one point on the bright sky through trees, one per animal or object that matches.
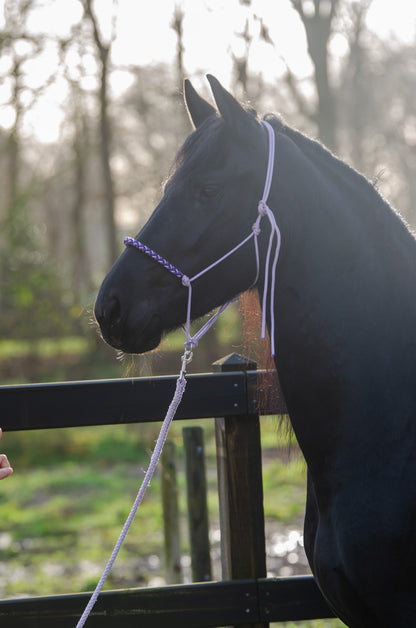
(211, 27)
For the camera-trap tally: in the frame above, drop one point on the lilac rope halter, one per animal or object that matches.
(263, 210)
(191, 342)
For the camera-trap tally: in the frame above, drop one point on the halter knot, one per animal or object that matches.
(256, 228)
(262, 208)
(186, 281)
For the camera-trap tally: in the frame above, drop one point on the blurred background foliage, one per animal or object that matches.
(69, 196)
(86, 140)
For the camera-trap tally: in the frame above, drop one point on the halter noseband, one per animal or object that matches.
(263, 210)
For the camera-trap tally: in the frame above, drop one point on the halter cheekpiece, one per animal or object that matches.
(263, 210)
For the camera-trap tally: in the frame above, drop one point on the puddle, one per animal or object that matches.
(284, 550)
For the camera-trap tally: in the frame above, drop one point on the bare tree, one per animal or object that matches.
(317, 18)
(20, 46)
(81, 275)
(177, 26)
(357, 104)
(103, 53)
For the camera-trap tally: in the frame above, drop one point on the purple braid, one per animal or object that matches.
(158, 258)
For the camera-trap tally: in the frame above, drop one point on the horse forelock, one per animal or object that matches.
(196, 146)
(207, 139)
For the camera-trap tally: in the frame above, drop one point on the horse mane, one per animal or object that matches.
(206, 141)
(371, 203)
(370, 195)
(259, 351)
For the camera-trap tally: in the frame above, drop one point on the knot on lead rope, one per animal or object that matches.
(186, 281)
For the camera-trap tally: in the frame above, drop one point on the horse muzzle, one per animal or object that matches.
(129, 331)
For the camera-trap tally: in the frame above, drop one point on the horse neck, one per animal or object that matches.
(337, 296)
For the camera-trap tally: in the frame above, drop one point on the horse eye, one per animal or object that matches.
(208, 191)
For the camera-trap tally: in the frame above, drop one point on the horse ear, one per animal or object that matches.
(230, 109)
(198, 108)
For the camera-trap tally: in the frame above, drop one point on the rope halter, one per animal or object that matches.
(269, 268)
(192, 341)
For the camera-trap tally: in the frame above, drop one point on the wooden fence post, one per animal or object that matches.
(197, 503)
(171, 515)
(240, 487)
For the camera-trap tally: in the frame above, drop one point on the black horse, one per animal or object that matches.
(345, 333)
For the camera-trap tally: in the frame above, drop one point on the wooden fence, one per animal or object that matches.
(245, 597)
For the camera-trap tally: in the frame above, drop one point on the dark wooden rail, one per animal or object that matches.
(203, 605)
(136, 400)
(245, 597)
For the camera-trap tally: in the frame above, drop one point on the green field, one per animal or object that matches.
(62, 510)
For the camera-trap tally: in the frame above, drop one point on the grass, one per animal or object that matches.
(63, 508)
(44, 347)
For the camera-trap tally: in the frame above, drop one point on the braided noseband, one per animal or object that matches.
(158, 258)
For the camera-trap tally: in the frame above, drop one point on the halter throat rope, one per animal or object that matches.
(269, 267)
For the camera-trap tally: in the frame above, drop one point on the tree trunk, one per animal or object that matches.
(318, 28)
(105, 138)
(79, 249)
(103, 51)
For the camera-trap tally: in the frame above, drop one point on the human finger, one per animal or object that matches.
(4, 473)
(4, 463)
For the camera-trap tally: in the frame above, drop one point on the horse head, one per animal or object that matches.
(209, 204)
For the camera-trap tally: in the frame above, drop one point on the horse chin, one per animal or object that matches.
(136, 345)
(144, 339)
(147, 345)
(135, 340)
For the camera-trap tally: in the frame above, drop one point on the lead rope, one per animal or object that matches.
(192, 341)
(180, 388)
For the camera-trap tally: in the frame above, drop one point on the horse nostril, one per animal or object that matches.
(113, 313)
(108, 316)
